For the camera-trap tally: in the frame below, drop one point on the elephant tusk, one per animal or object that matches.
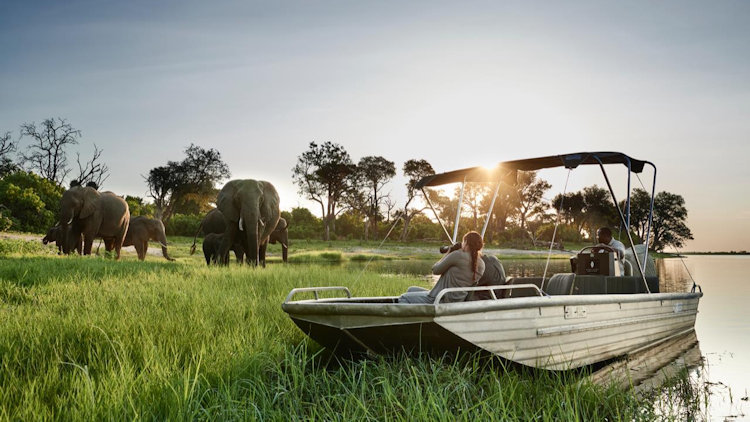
(163, 245)
(241, 229)
(262, 224)
(284, 245)
(71, 220)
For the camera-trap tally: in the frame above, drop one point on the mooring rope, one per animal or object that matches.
(554, 232)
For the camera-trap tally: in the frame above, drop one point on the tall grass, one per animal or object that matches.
(88, 338)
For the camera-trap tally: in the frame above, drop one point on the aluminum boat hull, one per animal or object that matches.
(550, 332)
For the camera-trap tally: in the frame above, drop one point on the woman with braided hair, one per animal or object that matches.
(460, 268)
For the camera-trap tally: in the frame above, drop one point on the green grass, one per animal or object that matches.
(89, 338)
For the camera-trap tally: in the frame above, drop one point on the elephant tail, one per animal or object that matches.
(200, 227)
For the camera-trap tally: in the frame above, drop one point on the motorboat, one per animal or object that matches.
(557, 322)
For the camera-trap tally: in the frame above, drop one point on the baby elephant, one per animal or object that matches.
(143, 229)
(55, 234)
(211, 244)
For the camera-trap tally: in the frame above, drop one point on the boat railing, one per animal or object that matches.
(491, 289)
(315, 291)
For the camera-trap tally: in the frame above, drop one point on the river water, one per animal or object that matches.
(722, 325)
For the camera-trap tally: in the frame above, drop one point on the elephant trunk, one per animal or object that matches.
(249, 223)
(284, 251)
(163, 242)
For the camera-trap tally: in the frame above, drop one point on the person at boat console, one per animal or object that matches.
(604, 237)
(460, 268)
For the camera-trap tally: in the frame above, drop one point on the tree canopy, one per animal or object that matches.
(189, 183)
(326, 174)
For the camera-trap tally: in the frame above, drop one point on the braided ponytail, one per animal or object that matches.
(474, 242)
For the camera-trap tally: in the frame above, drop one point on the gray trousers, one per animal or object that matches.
(416, 294)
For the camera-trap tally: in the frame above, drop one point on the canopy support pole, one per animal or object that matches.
(650, 217)
(622, 219)
(458, 211)
(557, 222)
(492, 206)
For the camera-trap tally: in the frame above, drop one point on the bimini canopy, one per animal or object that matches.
(507, 169)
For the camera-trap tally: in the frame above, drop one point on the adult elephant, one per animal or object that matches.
(214, 222)
(141, 230)
(93, 214)
(251, 211)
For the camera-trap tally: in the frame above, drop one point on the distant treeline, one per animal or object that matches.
(354, 198)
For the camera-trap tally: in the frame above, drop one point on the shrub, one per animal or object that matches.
(31, 202)
(183, 225)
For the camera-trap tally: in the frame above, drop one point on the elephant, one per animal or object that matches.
(55, 234)
(214, 222)
(281, 234)
(141, 230)
(93, 214)
(252, 207)
(211, 245)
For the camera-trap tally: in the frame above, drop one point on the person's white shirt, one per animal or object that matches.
(620, 248)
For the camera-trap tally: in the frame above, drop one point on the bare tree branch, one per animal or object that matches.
(46, 155)
(92, 170)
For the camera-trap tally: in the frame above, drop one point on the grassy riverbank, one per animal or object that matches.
(88, 338)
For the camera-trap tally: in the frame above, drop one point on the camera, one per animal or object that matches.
(451, 248)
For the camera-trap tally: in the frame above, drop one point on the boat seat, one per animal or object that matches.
(560, 284)
(537, 281)
(494, 275)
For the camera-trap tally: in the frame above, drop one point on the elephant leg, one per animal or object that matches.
(239, 253)
(88, 243)
(262, 254)
(139, 250)
(120, 238)
(145, 249)
(226, 243)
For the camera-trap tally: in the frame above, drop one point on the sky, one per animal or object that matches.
(458, 84)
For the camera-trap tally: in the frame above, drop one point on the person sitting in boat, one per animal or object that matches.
(460, 268)
(494, 273)
(604, 237)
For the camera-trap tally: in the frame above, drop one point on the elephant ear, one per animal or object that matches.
(281, 225)
(90, 202)
(226, 204)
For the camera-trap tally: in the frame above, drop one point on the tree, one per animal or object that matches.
(192, 179)
(599, 209)
(7, 146)
(138, 207)
(530, 191)
(303, 224)
(640, 202)
(668, 225)
(506, 205)
(415, 170)
(92, 170)
(376, 172)
(573, 209)
(325, 174)
(47, 154)
(474, 195)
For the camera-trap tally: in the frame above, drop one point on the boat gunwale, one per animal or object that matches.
(347, 306)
